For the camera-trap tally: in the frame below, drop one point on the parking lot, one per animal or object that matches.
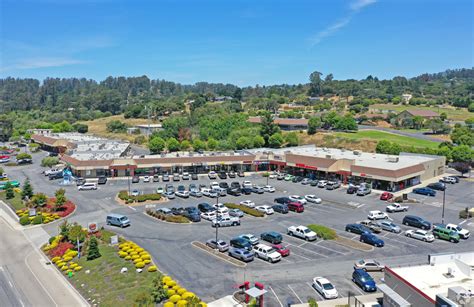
(288, 280)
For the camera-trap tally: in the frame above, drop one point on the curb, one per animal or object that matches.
(220, 255)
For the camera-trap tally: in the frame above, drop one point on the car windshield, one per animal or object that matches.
(123, 218)
(307, 230)
(366, 278)
(328, 286)
(272, 250)
(458, 228)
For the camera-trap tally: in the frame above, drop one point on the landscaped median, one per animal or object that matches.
(245, 209)
(327, 233)
(179, 219)
(129, 199)
(113, 274)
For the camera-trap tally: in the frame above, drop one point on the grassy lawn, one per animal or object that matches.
(99, 126)
(16, 203)
(106, 284)
(380, 135)
(453, 113)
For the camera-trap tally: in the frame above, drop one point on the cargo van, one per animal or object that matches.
(118, 220)
(87, 186)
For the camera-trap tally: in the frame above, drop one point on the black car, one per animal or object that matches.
(416, 221)
(235, 184)
(205, 207)
(231, 174)
(357, 228)
(224, 185)
(80, 181)
(234, 191)
(24, 161)
(57, 175)
(222, 175)
(241, 243)
(53, 154)
(314, 183)
(280, 208)
(135, 179)
(102, 180)
(194, 176)
(241, 174)
(282, 200)
(439, 186)
(352, 189)
(246, 191)
(193, 214)
(177, 211)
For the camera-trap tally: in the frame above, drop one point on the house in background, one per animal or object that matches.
(284, 123)
(409, 115)
(145, 129)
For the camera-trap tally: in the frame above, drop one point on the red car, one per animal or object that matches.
(296, 207)
(386, 196)
(284, 251)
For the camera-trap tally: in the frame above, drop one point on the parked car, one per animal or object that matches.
(272, 237)
(283, 250)
(240, 243)
(419, 234)
(177, 211)
(302, 232)
(297, 179)
(220, 245)
(267, 253)
(282, 200)
(165, 211)
(24, 161)
(195, 192)
(364, 280)
(268, 210)
(295, 207)
(234, 191)
(325, 288)
(165, 177)
(438, 186)
(135, 179)
(369, 265)
(386, 196)
(312, 199)
(305, 181)
(176, 177)
(241, 254)
(390, 226)
(352, 189)
(425, 191)
(209, 193)
(463, 233)
(231, 174)
(102, 180)
(396, 207)
(322, 183)
(250, 238)
(362, 191)
(377, 215)
(222, 175)
(449, 179)
(194, 176)
(332, 185)
(289, 177)
(246, 190)
(246, 184)
(370, 238)
(169, 195)
(241, 174)
(226, 221)
(280, 176)
(135, 193)
(298, 199)
(223, 185)
(236, 212)
(280, 208)
(212, 175)
(313, 183)
(209, 216)
(258, 189)
(416, 221)
(372, 225)
(357, 228)
(446, 234)
(54, 176)
(248, 203)
(87, 186)
(269, 189)
(193, 214)
(181, 192)
(80, 181)
(156, 178)
(146, 178)
(205, 207)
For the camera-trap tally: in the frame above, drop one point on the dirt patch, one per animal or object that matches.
(332, 141)
(353, 244)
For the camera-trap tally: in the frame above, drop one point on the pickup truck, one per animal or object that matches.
(463, 233)
(52, 171)
(396, 207)
(302, 232)
(226, 221)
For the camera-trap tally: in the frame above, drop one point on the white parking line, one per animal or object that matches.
(311, 286)
(132, 208)
(333, 250)
(293, 254)
(276, 296)
(465, 222)
(295, 294)
(402, 242)
(360, 206)
(308, 250)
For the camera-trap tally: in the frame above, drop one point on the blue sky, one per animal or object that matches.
(245, 42)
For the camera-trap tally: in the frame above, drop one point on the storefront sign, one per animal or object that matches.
(114, 240)
(306, 166)
(362, 174)
(32, 212)
(92, 227)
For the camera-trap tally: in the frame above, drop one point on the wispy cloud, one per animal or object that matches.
(354, 7)
(34, 63)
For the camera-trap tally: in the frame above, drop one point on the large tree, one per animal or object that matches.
(268, 127)
(315, 84)
(314, 123)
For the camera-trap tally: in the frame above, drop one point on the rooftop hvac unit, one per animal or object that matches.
(328, 157)
(393, 159)
(356, 153)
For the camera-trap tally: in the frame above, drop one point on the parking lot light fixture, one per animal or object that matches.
(217, 217)
(444, 201)
(128, 178)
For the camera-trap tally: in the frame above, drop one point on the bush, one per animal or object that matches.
(123, 195)
(245, 209)
(464, 214)
(323, 232)
(177, 219)
(152, 268)
(38, 219)
(24, 220)
(49, 161)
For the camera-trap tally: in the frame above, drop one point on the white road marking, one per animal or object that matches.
(10, 283)
(465, 222)
(311, 286)
(276, 296)
(1, 268)
(338, 252)
(295, 294)
(132, 208)
(308, 250)
(293, 254)
(360, 206)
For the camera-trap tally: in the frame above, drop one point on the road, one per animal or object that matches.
(418, 135)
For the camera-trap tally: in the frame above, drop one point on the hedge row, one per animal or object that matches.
(123, 195)
(168, 218)
(323, 232)
(245, 209)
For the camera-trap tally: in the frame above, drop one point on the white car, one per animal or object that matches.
(322, 183)
(377, 215)
(160, 190)
(419, 234)
(208, 215)
(214, 185)
(135, 193)
(298, 199)
(212, 175)
(448, 180)
(312, 199)
(267, 253)
(269, 189)
(265, 209)
(396, 207)
(146, 178)
(325, 287)
(272, 175)
(248, 203)
(221, 209)
(247, 184)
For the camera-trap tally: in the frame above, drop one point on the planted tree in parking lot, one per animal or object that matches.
(39, 200)
(49, 161)
(9, 191)
(462, 167)
(27, 191)
(23, 155)
(93, 252)
(60, 199)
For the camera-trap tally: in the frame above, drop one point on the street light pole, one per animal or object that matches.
(128, 178)
(444, 201)
(217, 216)
(268, 166)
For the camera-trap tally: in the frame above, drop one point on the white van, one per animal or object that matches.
(88, 186)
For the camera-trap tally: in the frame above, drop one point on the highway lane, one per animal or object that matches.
(9, 293)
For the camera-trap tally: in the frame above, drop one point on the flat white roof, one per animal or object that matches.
(185, 154)
(389, 162)
(432, 279)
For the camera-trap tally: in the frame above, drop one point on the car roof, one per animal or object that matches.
(322, 280)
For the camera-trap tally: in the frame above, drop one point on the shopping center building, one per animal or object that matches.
(92, 157)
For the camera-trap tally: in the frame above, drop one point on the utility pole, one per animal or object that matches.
(444, 201)
(128, 178)
(217, 217)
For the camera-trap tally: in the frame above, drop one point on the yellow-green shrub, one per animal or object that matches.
(55, 259)
(175, 298)
(139, 250)
(135, 257)
(153, 268)
(64, 268)
(182, 303)
(145, 256)
(73, 265)
(181, 291)
(139, 265)
(170, 292)
(137, 260)
(168, 304)
(146, 261)
(133, 253)
(67, 258)
(188, 295)
(171, 283)
(78, 268)
(122, 254)
(176, 288)
(165, 279)
(127, 258)
(202, 304)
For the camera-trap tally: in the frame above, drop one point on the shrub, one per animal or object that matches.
(168, 304)
(24, 220)
(93, 251)
(60, 249)
(152, 268)
(177, 219)
(175, 298)
(123, 195)
(245, 209)
(78, 268)
(464, 214)
(170, 292)
(139, 265)
(38, 219)
(323, 232)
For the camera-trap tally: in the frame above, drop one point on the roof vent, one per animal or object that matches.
(449, 274)
(356, 153)
(328, 156)
(393, 159)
